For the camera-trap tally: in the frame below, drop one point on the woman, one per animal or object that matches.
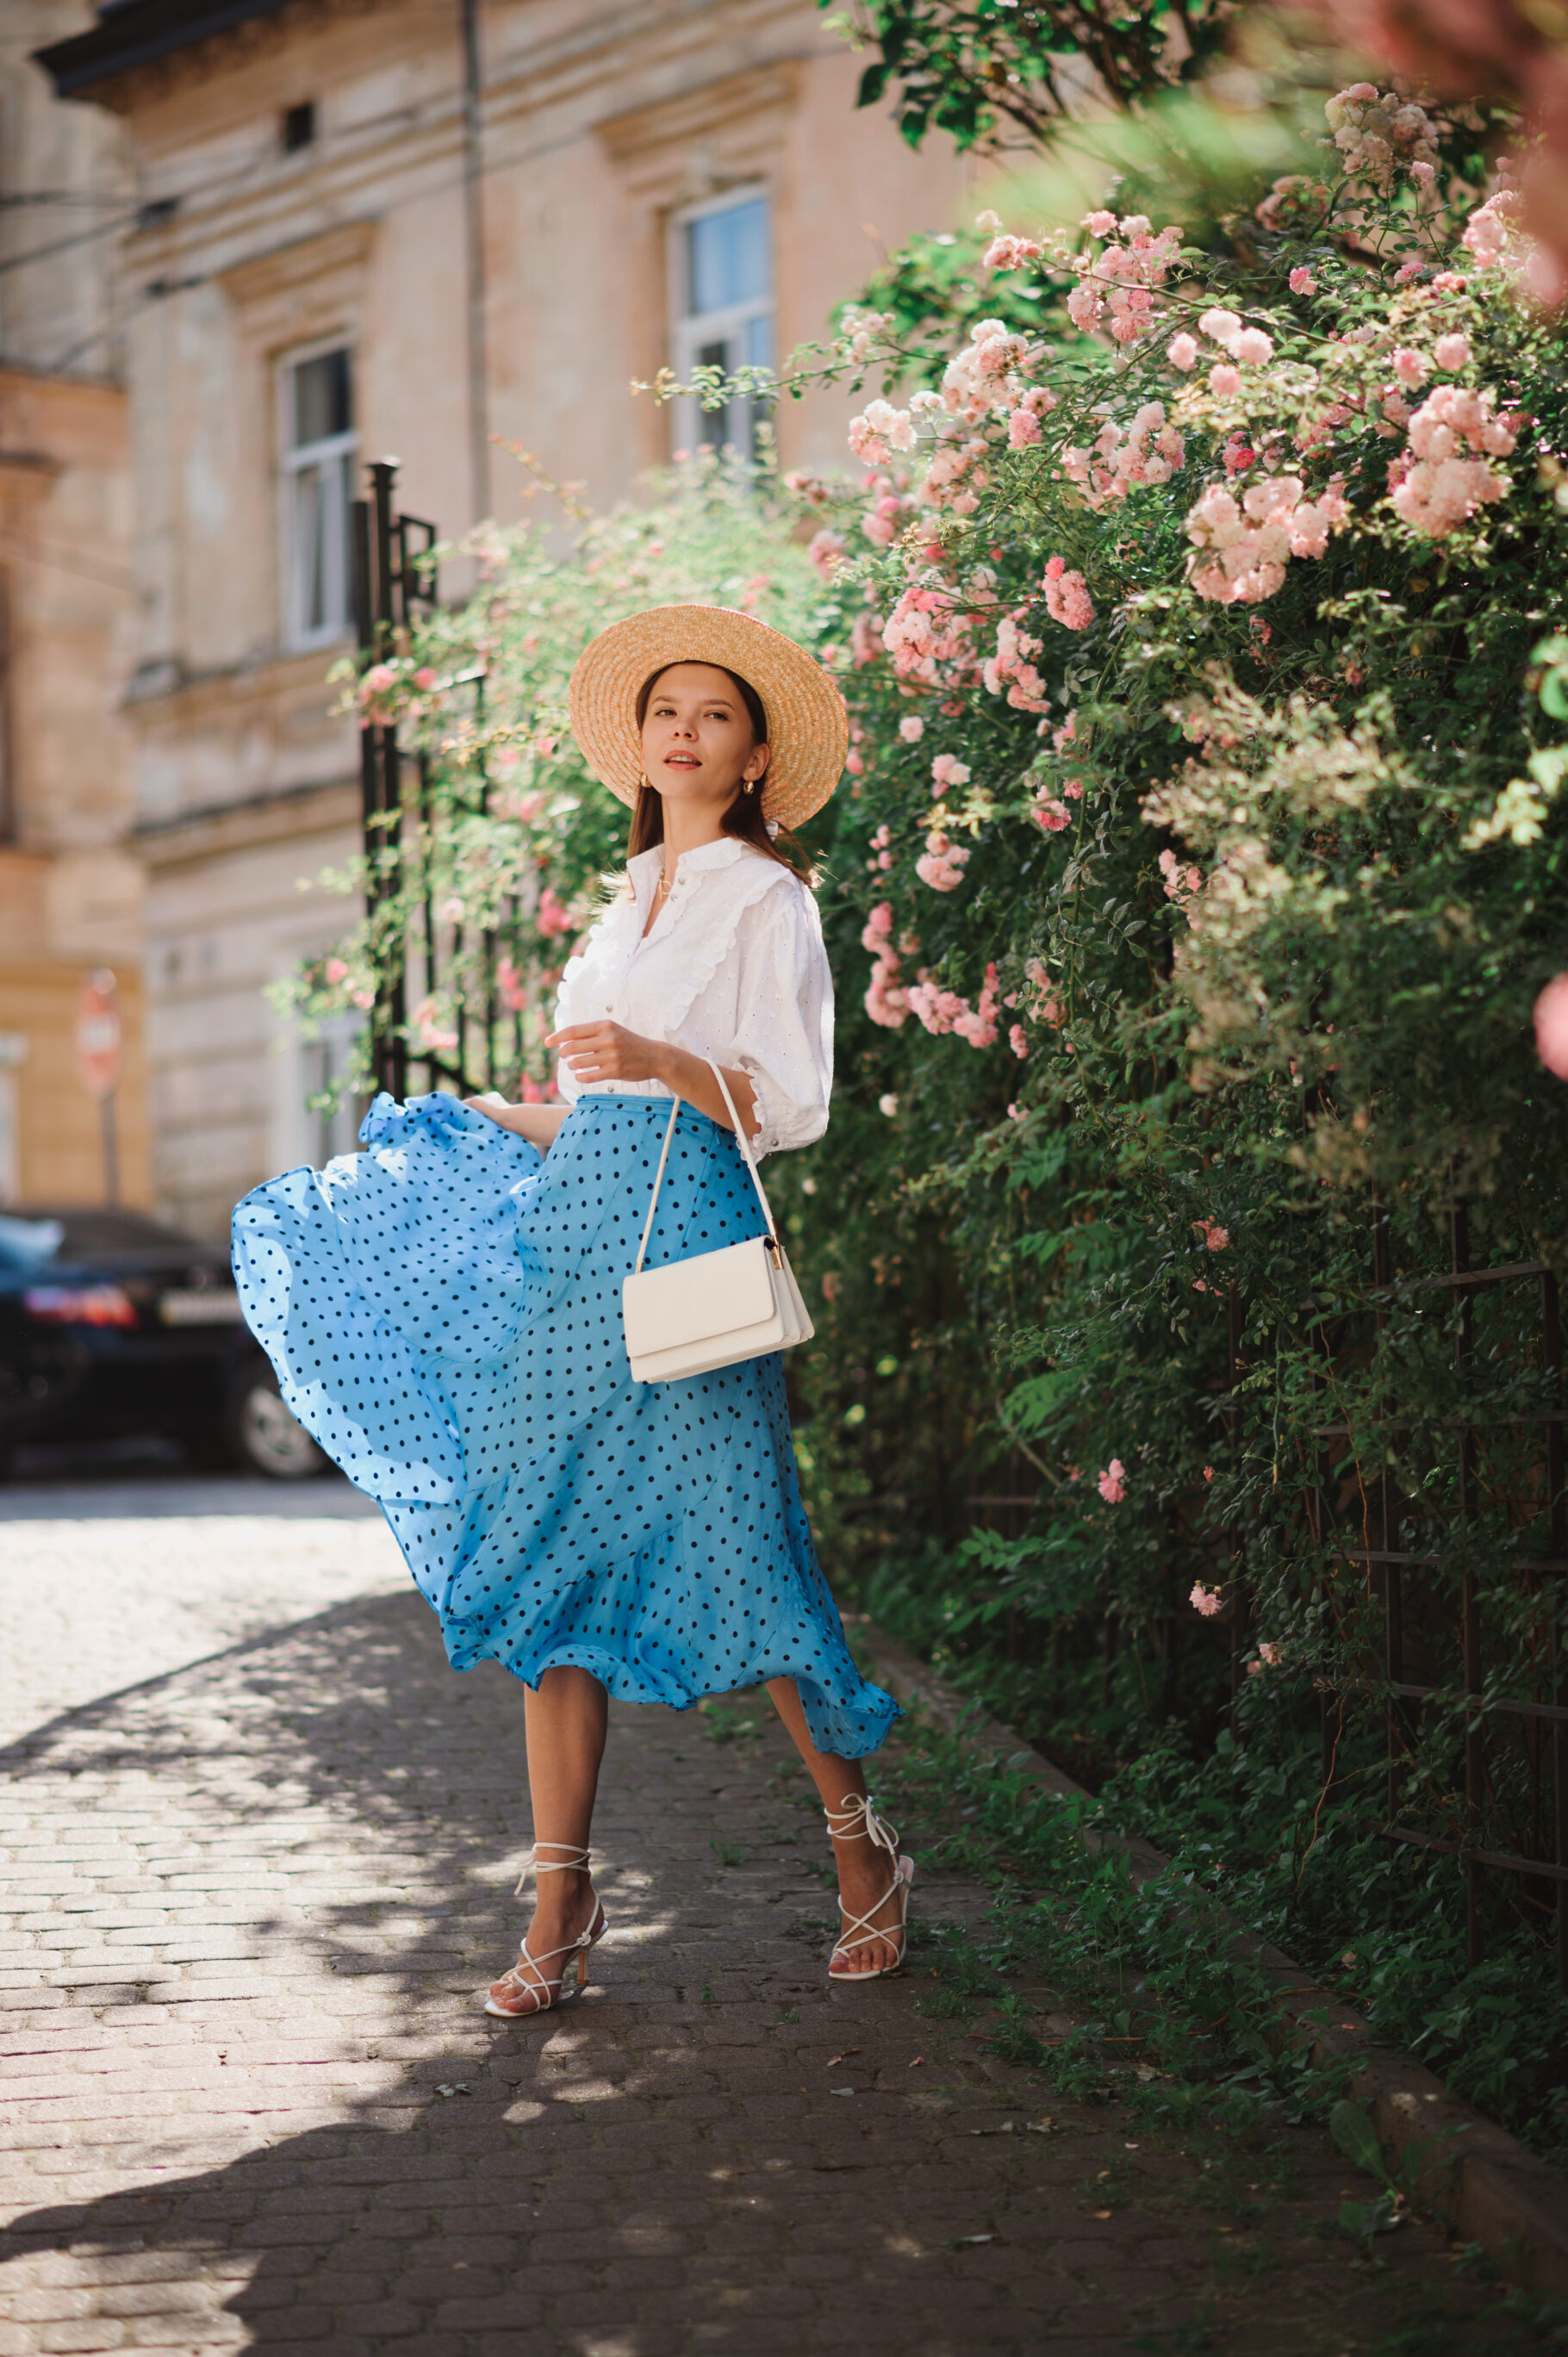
(444, 1311)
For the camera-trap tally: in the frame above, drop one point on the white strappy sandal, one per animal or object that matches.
(856, 1819)
(547, 1990)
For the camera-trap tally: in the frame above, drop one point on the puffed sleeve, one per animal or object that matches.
(784, 1030)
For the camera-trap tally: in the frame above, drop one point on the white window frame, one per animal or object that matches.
(690, 330)
(293, 459)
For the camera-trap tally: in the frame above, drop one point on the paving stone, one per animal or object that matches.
(258, 1895)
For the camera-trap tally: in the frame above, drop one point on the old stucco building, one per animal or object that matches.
(414, 229)
(70, 889)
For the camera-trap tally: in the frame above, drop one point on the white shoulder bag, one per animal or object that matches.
(718, 1307)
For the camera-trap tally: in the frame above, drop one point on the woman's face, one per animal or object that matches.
(696, 739)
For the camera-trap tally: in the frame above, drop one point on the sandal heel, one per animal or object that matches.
(527, 1978)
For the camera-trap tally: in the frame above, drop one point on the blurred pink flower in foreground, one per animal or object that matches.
(1204, 1599)
(1113, 1482)
(1551, 1027)
(1497, 49)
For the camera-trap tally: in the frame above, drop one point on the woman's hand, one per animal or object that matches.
(607, 1051)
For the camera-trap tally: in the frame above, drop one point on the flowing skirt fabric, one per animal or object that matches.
(443, 1314)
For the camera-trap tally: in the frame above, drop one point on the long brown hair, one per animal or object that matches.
(744, 819)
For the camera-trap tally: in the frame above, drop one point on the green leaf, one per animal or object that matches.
(1352, 2130)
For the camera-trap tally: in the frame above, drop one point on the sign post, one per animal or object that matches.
(99, 1039)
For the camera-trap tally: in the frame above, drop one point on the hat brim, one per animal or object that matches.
(808, 728)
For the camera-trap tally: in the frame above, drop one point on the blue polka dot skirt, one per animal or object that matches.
(443, 1314)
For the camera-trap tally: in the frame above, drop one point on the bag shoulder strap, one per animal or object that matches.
(658, 1182)
(745, 1144)
(741, 1139)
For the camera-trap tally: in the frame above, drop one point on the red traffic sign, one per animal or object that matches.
(99, 1033)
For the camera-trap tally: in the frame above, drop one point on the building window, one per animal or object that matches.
(319, 443)
(723, 278)
(299, 126)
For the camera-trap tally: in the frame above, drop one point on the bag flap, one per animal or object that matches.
(689, 1300)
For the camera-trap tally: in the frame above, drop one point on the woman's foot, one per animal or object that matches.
(873, 1892)
(552, 1962)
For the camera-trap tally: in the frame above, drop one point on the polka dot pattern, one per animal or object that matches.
(443, 1314)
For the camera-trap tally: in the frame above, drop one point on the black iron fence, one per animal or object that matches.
(423, 953)
(1513, 1745)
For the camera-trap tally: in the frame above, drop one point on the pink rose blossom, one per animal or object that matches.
(1181, 351)
(1018, 1042)
(1068, 600)
(1114, 1483)
(1215, 1238)
(1100, 224)
(424, 677)
(1409, 367)
(1452, 351)
(1302, 281)
(553, 918)
(1208, 1473)
(1252, 348)
(1023, 428)
(911, 728)
(1050, 814)
(336, 971)
(1179, 881)
(1551, 1027)
(1222, 325)
(946, 769)
(430, 1029)
(941, 865)
(1204, 1599)
(1434, 484)
(826, 550)
(1225, 380)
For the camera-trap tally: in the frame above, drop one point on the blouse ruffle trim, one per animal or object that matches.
(715, 950)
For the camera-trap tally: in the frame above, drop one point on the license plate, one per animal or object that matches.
(219, 1306)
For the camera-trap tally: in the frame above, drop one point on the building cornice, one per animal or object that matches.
(282, 815)
(133, 33)
(165, 688)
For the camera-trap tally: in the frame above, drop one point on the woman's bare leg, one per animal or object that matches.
(564, 1717)
(863, 1870)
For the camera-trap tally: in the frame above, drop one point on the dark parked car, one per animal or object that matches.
(113, 1327)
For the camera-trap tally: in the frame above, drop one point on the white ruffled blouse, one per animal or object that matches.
(734, 968)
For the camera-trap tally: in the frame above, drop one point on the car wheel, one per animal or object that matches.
(266, 1438)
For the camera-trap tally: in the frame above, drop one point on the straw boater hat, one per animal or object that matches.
(808, 728)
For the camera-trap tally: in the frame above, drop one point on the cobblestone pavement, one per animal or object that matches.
(115, 1582)
(252, 2101)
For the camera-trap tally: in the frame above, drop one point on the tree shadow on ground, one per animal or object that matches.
(663, 2167)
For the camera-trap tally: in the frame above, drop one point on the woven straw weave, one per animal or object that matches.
(808, 727)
